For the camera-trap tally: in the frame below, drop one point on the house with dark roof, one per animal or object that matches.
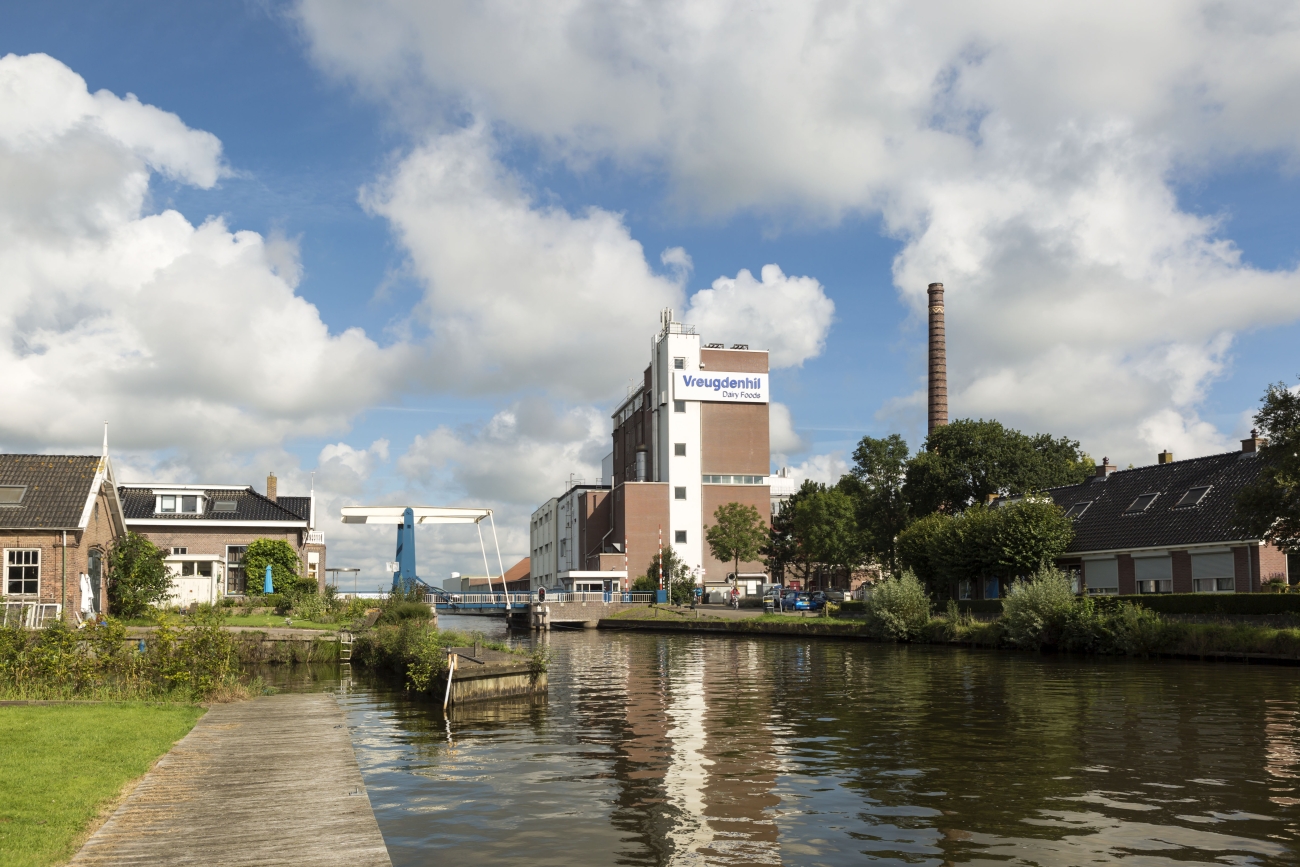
(59, 517)
(1168, 528)
(204, 530)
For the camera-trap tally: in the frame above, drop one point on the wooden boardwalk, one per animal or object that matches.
(268, 781)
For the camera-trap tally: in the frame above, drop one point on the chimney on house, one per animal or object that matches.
(938, 401)
(1105, 468)
(1165, 457)
(270, 487)
(1254, 444)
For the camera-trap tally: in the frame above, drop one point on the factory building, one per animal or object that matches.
(690, 436)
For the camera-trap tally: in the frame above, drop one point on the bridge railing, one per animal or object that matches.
(480, 600)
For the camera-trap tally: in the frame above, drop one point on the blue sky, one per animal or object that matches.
(871, 197)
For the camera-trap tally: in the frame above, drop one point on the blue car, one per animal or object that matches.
(808, 602)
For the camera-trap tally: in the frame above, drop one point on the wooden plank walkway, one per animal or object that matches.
(268, 781)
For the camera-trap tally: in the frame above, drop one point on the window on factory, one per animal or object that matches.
(679, 537)
(679, 364)
(679, 406)
(679, 449)
(679, 493)
(734, 480)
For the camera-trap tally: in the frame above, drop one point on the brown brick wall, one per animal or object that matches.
(1182, 568)
(213, 541)
(1127, 574)
(738, 360)
(60, 578)
(734, 439)
(1272, 561)
(640, 509)
(593, 525)
(713, 496)
(1241, 569)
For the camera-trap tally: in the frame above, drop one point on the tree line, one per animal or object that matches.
(929, 511)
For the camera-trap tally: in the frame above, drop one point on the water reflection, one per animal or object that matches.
(690, 750)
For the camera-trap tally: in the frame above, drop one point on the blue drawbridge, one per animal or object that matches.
(406, 518)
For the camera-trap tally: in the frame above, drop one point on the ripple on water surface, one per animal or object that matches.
(658, 749)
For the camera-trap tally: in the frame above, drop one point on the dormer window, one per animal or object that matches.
(1140, 504)
(1193, 497)
(179, 504)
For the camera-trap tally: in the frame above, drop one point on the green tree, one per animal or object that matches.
(968, 461)
(677, 577)
(285, 568)
(918, 546)
(1269, 508)
(784, 552)
(876, 485)
(825, 523)
(738, 533)
(137, 576)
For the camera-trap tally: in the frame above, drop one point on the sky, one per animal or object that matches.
(420, 249)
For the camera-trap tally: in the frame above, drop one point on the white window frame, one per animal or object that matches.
(38, 564)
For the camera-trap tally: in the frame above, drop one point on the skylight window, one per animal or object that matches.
(1078, 509)
(1193, 497)
(1141, 503)
(12, 495)
(224, 506)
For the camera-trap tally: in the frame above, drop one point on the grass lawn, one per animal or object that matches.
(62, 763)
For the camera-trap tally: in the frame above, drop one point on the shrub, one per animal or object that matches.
(285, 568)
(137, 576)
(1138, 631)
(898, 607)
(396, 613)
(1035, 611)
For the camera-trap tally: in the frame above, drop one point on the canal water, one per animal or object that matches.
(678, 749)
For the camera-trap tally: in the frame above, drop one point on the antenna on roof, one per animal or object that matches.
(105, 439)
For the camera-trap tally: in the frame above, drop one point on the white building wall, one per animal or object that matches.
(673, 427)
(543, 545)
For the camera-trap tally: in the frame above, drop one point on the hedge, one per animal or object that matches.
(1210, 604)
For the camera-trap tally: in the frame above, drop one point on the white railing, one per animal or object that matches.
(639, 598)
(314, 537)
(32, 615)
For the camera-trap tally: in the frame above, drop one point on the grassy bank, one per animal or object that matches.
(1144, 635)
(63, 765)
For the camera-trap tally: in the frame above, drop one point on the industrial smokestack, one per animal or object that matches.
(938, 404)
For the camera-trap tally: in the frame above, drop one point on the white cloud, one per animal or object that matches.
(1025, 155)
(783, 439)
(524, 455)
(518, 294)
(182, 336)
(826, 468)
(788, 316)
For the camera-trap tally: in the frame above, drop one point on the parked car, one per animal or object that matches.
(808, 602)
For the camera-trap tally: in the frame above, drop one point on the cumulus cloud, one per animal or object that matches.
(524, 455)
(782, 437)
(519, 294)
(827, 468)
(1026, 157)
(183, 336)
(788, 316)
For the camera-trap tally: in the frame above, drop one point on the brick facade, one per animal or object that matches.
(640, 509)
(61, 565)
(716, 495)
(1241, 569)
(1272, 562)
(1182, 571)
(1127, 575)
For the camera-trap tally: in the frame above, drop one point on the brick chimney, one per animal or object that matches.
(1105, 468)
(938, 402)
(1254, 444)
(270, 487)
(1165, 457)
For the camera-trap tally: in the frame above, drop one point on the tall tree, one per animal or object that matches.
(968, 461)
(876, 485)
(784, 552)
(738, 533)
(825, 524)
(1269, 508)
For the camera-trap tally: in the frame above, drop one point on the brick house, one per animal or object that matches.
(59, 517)
(204, 531)
(1168, 528)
